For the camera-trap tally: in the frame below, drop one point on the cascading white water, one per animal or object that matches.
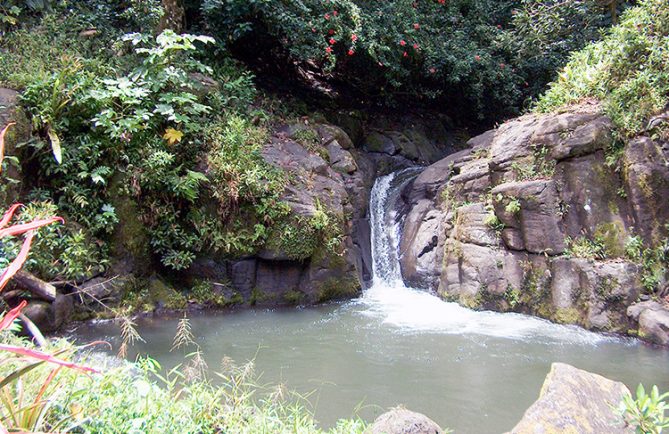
(414, 310)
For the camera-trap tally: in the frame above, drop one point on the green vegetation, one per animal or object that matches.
(627, 70)
(482, 53)
(654, 262)
(584, 247)
(646, 412)
(129, 128)
(144, 397)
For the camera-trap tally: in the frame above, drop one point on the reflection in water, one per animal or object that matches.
(475, 372)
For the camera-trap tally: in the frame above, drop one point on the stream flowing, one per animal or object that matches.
(473, 372)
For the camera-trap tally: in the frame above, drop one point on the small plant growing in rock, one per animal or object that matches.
(586, 248)
(646, 413)
(513, 207)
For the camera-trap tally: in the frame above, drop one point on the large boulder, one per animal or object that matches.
(533, 218)
(652, 319)
(402, 421)
(575, 401)
(326, 176)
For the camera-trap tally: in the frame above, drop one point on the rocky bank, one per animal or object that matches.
(541, 216)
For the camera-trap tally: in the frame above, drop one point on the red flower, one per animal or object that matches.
(441, 2)
(351, 52)
(477, 58)
(415, 46)
(332, 41)
(354, 37)
(499, 26)
(403, 42)
(416, 26)
(331, 32)
(328, 50)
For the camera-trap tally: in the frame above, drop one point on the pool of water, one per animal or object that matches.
(474, 372)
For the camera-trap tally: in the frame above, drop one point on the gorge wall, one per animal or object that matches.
(542, 216)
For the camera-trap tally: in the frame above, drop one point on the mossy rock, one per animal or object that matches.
(568, 315)
(343, 288)
(613, 237)
(130, 240)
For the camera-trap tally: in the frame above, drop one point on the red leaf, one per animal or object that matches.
(34, 354)
(10, 316)
(25, 227)
(17, 263)
(8, 215)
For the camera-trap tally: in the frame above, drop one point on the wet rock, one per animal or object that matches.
(594, 294)
(653, 321)
(645, 163)
(101, 291)
(575, 401)
(50, 316)
(402, 421)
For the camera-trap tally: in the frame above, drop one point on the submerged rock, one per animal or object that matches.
(402, 421)
(653, 320)
(575, 401)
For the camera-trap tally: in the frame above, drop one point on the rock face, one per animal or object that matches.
(17, 133)
(326, 175)
(575, 401)
(328, 171)
(532, 219)
(402, 421)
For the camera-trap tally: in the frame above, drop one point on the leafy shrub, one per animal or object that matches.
(482, 53)
(646, 413)
(391, 49)
(58, 252)
(627, 70)
(545, 33)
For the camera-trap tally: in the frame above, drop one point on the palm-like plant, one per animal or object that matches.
(20, 411)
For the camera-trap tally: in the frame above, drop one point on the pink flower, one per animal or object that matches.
(403, 42)
(416, 26)
(405, 54)
(332, 41)
(477, 58)
(354, 37)
(327, 16)
(351, 52)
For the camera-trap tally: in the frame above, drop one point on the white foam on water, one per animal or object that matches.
(413, 310)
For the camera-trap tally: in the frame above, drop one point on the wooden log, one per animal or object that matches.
(37, 287)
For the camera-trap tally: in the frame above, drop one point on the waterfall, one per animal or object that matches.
(415, 310)
(385, 233)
